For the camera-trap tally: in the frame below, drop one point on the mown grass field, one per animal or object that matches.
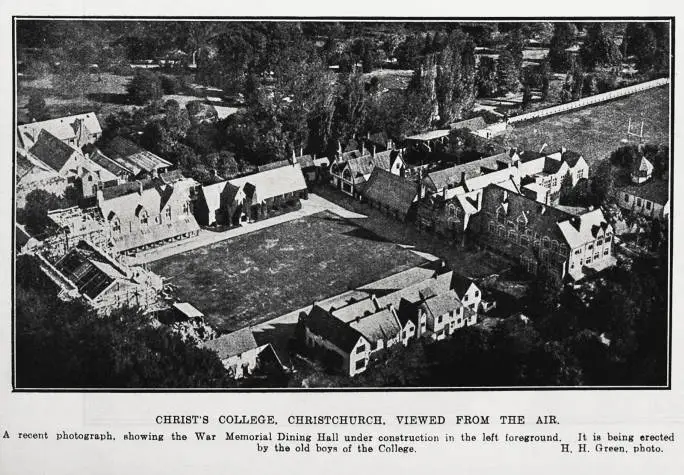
(597, 131)
(262, 275)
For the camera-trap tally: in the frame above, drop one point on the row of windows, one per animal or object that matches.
(638, 202)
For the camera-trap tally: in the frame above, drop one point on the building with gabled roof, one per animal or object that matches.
(142, 163)
(382, 329)
(391, 194)
(251, 197)
(89, 273)
(350, 170)
(241, 355)
(56, 154)
(544, 238)
(145, 213)
(31, 174)
(342, 345)
(75, 130)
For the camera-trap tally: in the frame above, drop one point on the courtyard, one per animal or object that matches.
(261, 275)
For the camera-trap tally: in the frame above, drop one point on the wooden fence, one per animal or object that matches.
(587, 101)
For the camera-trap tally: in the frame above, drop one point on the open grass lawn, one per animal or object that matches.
(597, 131)
(262, 275)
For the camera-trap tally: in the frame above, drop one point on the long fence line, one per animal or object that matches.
(605, 96)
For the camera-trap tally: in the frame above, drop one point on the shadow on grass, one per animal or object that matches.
(110, 98)
(363, 233)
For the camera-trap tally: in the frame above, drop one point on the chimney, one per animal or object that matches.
(363, 148)
(463, 177)
(339, 147)
(373, 149)
(542, 209)
(543, 147)
(100, 195)
(368, 135)
(140, 187)
(374, 299)
(390, 144)
(301, 151)
(563, 150)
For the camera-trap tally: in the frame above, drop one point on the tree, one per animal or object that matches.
(516, 45)
(34, 214)
(599, 49)
(145, 86)
(563, 38)
(507, 73)
(486, 77)
(544, 75)
(527, 97)
(65, 345)
(602, 183)
(37, 110)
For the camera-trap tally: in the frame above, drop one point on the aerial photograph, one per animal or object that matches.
(302, 205)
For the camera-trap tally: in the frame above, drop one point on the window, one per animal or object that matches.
(648, 205)
(361, 364)
(590, 247)
(465, 298)
(186, 208)
(545, 241)
(599, 241)
(477, 293)
(439, 319)
(143, 217)
(605, 253)
(626, 197)
(597, 255)
(360, 349)
(168, 213)
(638, 202)
(580, 174)
(403, 335)
(578, 251)
(116, 225)
(452, 210)
(588, 260)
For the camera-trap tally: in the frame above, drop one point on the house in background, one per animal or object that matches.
(242, 356)
(350, 170)
(76, 130)
(391, 194)
(251, 197)
(646, 195)
(59, 156)
(140, 162)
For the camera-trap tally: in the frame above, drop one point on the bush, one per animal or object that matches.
(145, 86)
(171, 84)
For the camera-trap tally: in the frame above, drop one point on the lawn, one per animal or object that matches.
(596, 131)
(262, 275)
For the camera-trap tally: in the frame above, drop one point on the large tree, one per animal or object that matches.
(486, 77)
(599, 48)
(145, 86)
(507, 73)
(563, 38)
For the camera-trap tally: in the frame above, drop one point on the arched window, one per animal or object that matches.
(168, 213)
(141, 214)
(116, 225)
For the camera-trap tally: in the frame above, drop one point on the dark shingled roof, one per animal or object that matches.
(108, 164)
(232, 344)
(334, 330)
(128, 188)
(529, 155)
(52, 151)
(381, 325)
(452, 176)
(460, 284)
(23, 166)
(551, 165)
(571, 158)
(391, 190)
(655, 190)
(545, 223)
